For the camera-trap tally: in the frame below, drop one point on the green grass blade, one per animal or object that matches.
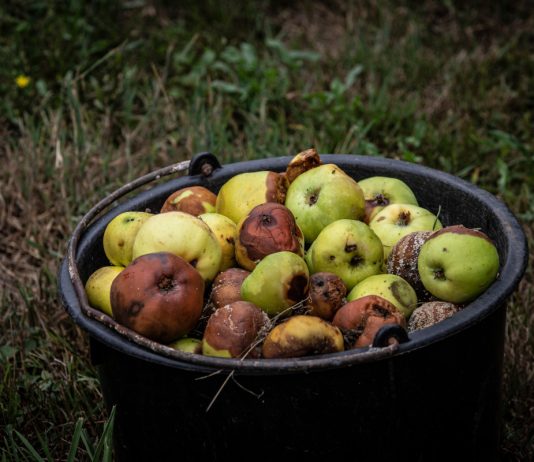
(105, 438)
(88, 444)
(29, 447)
(75, 440)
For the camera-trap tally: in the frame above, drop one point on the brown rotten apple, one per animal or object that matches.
(267, 229)
(402, 261)
(195, 200)
(226, 287)
(232, 330)
(302, 335)
(159, 295)
(360, 319)
(302, 162)
(326, 294)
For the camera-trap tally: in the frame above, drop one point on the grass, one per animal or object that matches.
(118, 89)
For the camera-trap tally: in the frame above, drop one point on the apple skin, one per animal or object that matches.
(268, 228)
(195, 200)
(398, 220)
(302, 335)
(402, 261)
(120, 234)
(362, 318)
(321, 196)
(347, 248)
(278, 282)
(241, 193)
(232, 330)
(456, 264)
(188, 345)
(302, 162)
(226, 287)
(431, 313)
(389, 286)
(225, 230)
(183, 235)
(98, 287)
(380, 191)
(326, 295)
(158, 295)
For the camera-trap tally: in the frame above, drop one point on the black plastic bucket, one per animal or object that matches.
(435, 396)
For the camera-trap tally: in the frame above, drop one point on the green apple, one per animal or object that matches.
(398, 220)
(389, 286)
(188, 345)
(380, 191)
(347, 248)
(241, 193)
(279, 281)
(183, 235)
(456, 264)
(225, 230)
(119, 236)
(321, 196)
(98, 287)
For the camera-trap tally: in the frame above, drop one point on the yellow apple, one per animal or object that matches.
(119, 236)
(98, 287)
(225, 230)
(183, 235)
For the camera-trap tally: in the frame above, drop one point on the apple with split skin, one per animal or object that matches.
(380, 191)
(321, 196)
(457, 264)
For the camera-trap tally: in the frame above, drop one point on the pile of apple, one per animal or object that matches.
(278, 265)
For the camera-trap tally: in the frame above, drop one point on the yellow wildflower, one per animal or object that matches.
(22, 81)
